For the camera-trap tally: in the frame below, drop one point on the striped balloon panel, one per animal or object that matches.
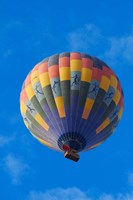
(71, 101)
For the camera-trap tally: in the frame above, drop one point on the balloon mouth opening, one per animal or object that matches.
(71, 141)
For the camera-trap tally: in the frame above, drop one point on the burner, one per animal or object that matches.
(71, 141)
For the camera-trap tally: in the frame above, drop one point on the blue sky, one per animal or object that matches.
(31, 31)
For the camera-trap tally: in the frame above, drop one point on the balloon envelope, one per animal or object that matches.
(71, 102)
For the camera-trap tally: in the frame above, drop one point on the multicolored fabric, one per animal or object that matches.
(71, 101)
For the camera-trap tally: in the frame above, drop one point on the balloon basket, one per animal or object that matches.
(71, 155)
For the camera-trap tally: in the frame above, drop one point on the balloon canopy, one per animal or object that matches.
(71, 102)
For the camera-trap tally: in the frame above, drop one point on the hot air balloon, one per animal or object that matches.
(71, 102)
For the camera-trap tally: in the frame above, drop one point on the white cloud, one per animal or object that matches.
(77, 194)
(130, 179)
(15, 167)
(120, 48)
(112, 49)
(119, 196)
(84, 38)
(59, 193)
(7, 53)
(12, 118)
(5, 140)
(74, 194)
(15, 119)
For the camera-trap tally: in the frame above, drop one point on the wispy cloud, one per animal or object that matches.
(15, 167)
(7, 53)
(130, 179)
(91, 39)
(59, 193)
(117, 197)
(84, 38)
(15, 119)
(13, 35)
(77, 194)
(6, 32)
(4, 140)
(120, 49)
(10, 118)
